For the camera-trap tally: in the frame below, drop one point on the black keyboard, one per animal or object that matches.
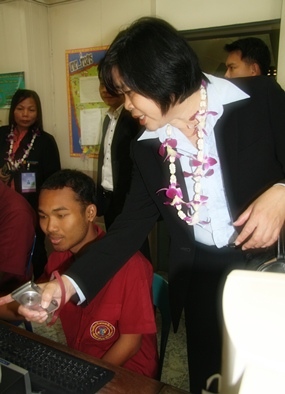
(51, 371)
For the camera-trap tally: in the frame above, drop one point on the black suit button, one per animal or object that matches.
(185, 249)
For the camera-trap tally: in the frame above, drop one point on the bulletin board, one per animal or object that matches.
(86, 110)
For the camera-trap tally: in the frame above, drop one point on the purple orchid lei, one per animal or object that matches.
(203, 165)
(15, 164)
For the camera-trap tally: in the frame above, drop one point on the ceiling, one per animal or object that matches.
(47, 2)
(51, 2)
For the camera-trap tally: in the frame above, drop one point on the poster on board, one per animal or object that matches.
(9, 83)
(86, 110)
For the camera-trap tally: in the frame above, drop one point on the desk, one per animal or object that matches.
(123, 382)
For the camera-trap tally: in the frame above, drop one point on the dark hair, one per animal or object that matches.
(81, 184)
(155, 61)
(253, 50)
(99, 67)
(99, 72)
(21, 95)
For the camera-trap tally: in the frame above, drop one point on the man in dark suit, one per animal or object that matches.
(247, 57)
(114, 162)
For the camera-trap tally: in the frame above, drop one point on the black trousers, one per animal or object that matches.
(203, 310)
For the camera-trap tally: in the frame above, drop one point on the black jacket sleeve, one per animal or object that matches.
(101, 260)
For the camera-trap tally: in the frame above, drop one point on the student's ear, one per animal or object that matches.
(255, 69)
(91, 212)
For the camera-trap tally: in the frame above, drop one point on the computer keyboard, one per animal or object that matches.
(51, 371)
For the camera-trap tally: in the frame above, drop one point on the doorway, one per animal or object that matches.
(209, 43)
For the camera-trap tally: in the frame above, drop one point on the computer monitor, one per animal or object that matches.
(254, 333)
(14, 379)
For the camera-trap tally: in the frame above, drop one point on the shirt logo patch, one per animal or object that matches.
(102, 330)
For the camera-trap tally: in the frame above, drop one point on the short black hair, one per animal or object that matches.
(99, 67)
(82, 185)
(253, 50)
(21, 95)
(99, 73)
(155, 61)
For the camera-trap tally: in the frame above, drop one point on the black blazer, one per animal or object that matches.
(250, 139)
(43, 159)
(126, 129)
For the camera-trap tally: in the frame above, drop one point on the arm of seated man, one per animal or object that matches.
(123, 349)
(10, 311)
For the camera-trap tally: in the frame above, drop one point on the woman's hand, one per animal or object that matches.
(262, 220)
(51, 291)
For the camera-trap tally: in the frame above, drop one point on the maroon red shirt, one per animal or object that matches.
(123, 306)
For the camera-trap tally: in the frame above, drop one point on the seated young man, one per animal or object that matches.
(119, 324)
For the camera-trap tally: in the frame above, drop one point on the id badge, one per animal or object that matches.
(28, 182)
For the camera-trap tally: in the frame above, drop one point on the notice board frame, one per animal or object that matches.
(82, 63)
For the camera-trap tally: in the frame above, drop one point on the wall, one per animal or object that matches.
(84, 24)
(281, 57)
(25, 46)
(34, 38)
(195, 14)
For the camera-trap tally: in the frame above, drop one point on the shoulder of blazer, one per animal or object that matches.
(255, 85)
(126, 118)
(4, 129)
(46, 140)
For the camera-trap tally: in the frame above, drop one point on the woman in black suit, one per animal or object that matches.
(28, 156)
(211, 163)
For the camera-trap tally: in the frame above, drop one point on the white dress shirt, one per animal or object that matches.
(107, 174)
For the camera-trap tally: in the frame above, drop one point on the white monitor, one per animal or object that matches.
(254, 333)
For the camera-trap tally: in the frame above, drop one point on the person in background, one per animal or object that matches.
(247, 57)
(17, 233)
(119, 324)
(114, 162)
(28, 156)
(210, 163)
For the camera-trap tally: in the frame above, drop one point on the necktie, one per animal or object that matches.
(105, 126)
(106, 122)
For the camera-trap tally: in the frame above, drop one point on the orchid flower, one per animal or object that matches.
(203, 165)
(168, 142)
